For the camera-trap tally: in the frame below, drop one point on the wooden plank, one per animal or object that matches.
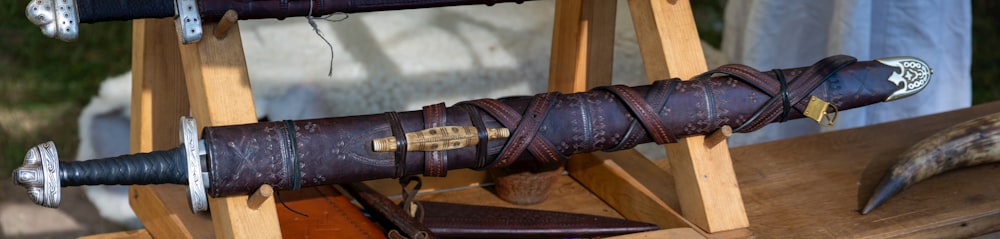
(622, 192)
(219, 90)
(567, 196)
(813, 186)
(582, 45)
(680, 233)
(158, 100)
(706, 184)
(457, 179)
(134, 234)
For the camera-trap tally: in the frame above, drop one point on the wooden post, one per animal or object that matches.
(582, 57)
(218, 87)
(212, 76)
(159, 99)
(706, 182)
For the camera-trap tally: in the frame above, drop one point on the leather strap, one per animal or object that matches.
(643, 111)
(397, 131)
(786, 95)
(523, 129)
(435, 162)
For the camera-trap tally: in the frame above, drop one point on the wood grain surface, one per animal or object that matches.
(813, 186)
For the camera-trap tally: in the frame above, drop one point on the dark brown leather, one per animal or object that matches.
(449, 220)
(326, 211)
(436, 162)
(383, 209)
(339, 150)
(213, 10)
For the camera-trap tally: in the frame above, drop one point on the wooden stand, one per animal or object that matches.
(170, 80)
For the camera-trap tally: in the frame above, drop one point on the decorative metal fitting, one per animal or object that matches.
(439, 139)
(40, 175)
(188, 21)
(57, 18)
(913, 75)
(196, 185)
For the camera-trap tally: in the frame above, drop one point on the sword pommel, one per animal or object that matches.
(57, 18)
(912, 75)
(40, 175)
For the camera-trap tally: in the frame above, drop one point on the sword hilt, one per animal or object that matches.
(44, 175)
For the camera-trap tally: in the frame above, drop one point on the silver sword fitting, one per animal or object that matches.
(40, 175)
(43, 175)
(196, 187)
(913, 75)
(57, 18)
(188, 21)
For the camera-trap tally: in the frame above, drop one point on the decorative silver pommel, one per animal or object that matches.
(913, 75)
(57, 18)
(40, 175)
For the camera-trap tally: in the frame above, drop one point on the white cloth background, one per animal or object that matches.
(768, 34)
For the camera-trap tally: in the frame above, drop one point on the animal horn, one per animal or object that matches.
(966, 144)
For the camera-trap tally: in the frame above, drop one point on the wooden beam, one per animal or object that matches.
(706, 183)
(134, 234)
(219, 90)
(159, 98)
(582, 45)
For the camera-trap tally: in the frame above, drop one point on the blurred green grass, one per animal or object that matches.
(44, 82)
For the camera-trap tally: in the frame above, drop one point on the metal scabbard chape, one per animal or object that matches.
(57, 18)
(913, 75)
(40, 175)
(439, 139)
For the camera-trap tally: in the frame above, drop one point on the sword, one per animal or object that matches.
(289, 155)
(60, 19)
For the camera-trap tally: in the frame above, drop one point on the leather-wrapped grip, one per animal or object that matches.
(339, 150)
(158, 167)
(92, 11)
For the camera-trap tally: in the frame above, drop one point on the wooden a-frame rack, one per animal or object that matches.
(209, 79)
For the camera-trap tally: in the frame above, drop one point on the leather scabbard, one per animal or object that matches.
(545, 127)
(212, 10)
(449, 220)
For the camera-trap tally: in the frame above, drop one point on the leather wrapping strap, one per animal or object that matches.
(436, 162)
(339, 150)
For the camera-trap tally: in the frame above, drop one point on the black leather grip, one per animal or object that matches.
(157, 167)
(92, 11)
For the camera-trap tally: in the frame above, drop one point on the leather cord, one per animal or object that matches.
(400, 135)
(295, 174)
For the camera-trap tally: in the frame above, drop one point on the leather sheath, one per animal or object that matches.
(546, 127)
(327, 214)
(450, 220)
(399, 223)
(213, 10)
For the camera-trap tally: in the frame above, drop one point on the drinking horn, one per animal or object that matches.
(966, 144)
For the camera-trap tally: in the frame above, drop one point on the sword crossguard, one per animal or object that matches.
(58, 19)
